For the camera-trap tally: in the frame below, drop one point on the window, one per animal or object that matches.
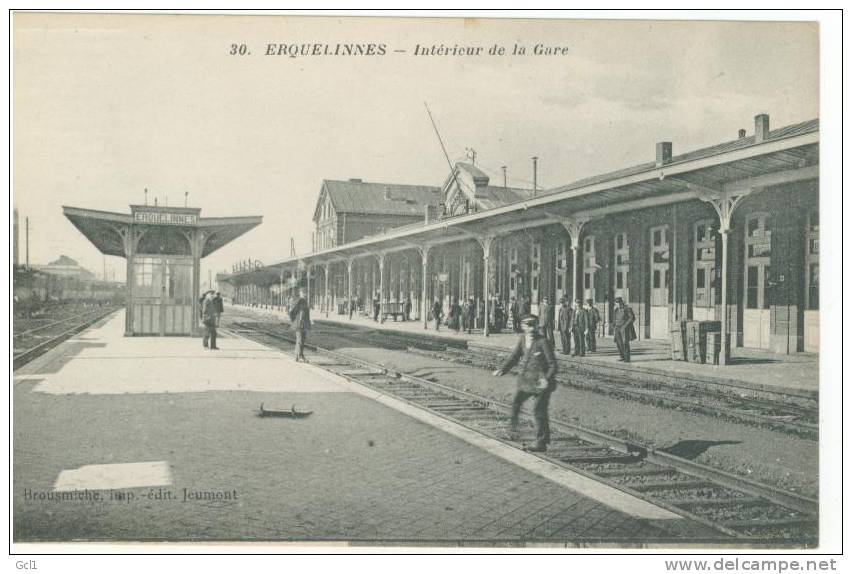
(559, 281)
(751, 290)
(656, 279)
(619, 280)
(700, 278)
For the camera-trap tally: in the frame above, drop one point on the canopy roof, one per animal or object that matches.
(105, 229)
(787, 155)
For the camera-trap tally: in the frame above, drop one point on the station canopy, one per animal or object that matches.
(106, 229)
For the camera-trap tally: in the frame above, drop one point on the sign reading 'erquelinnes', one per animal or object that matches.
(165, 217)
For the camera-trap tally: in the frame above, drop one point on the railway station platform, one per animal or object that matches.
(157, 439)
(749, 370)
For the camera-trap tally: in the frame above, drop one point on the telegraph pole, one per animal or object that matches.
(28, 240)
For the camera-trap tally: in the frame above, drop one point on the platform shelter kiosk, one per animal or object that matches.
(163, 247)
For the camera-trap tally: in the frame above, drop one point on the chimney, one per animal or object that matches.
(761, 128)
(742, 133)
(535, 176)
(664, 153)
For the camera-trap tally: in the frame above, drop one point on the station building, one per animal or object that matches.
(727, 233)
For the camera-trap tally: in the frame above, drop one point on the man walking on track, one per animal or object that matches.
(536, 379)
(622, 327)
(300, 322)
(566, 314)
(209, 316)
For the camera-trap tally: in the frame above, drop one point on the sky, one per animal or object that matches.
(105, 106)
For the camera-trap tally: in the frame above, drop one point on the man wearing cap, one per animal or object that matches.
(546, 314)
(566, 314)
(534, 354)
(579, 325)
(622, 327)
(594, 318)
(515, 312)
(300, 322)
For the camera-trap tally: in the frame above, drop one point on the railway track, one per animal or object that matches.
(36, 341)
(798, 418)
(793, 415)
(737, 508)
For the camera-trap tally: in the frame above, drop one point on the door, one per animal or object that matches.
(622, 268)
(590, 267)
(812, 284)
(660, 281)
(562, 273)
(758, 272)
(162, 295)
(704, 271)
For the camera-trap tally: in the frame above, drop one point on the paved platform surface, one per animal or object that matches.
(749, 368)
(165, 434)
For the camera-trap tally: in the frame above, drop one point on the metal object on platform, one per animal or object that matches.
(291, 414)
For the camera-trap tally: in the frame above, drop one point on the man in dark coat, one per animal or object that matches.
(515, 312)
(594, 318)
(455, 315)
(407, 309)
(437, 313)
(300, 322)
(566, 314)
(220, 306)
(537, 378)
(208, 317)
(579, 326)
(622, 327)
(546, 318)
(471, 315)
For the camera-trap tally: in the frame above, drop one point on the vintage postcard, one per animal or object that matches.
(424, 282)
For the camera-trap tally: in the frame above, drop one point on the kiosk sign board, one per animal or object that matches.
(159, 217)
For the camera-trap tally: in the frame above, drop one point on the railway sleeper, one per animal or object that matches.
(672, 485)
(628, 471)
(695, 503)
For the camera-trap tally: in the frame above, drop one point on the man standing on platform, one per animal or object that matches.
(455, 315)
(566, 314)
(406, 310)
(437, 313)
(622, 327)
(546, 314)
(594, 318)
(536, 379)
(300, 322)
(209, 317)
(220, 306)
(515, 311)
(377, 308)
(579, 326)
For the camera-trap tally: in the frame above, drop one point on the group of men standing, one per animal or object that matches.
(578, 324)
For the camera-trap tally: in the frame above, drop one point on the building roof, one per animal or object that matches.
(356, 196)
(740, 143)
